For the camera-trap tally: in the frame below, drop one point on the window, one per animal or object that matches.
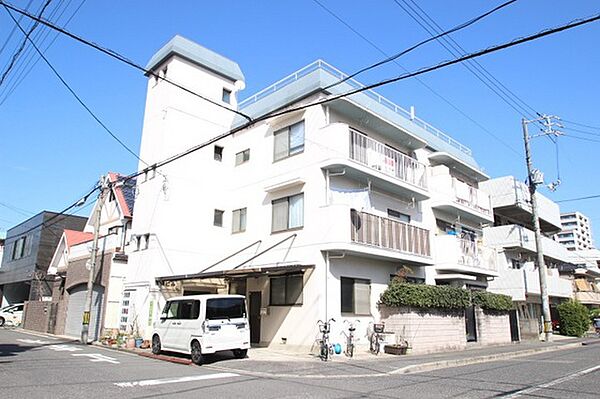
(218, 153)
(218, 218)
(242, 157)
(238, 220)
(288, 213)
(111, 196)
(146, 239)
(288, 141)
(355, 296)
(225, 308)
(226, 96)
(19, 248)
(171, 310)
(516, 264)
(393, 214)
(189, 309)
(286, 290)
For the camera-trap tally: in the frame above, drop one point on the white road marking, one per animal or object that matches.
(38, 335)
(97, 357)
(549, 384)
(33, 341)
(64, 348)
(174, 380)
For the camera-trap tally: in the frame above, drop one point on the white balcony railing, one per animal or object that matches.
(378, 156)
(471, 197)
(451, 250)
(383, 232)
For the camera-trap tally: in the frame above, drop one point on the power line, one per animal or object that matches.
(28, 66)
(18, 210)
(581, 124)
(579, 198)
(14, 29)
(491, 49)
(120, 57)
(23, 43)
(81, 102)
(422, 82)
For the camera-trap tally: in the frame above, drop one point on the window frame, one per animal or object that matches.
(241, 228)
(221, 213)
(287, 200)
(218, 153)
(398, 216)
(245, 157)
(19, 246)
(286, 277)
(287, 130)
(226, 95)
(353, 299)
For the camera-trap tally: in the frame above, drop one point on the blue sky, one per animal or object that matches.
(52, 151)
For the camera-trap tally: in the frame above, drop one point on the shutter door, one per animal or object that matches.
(75, 311)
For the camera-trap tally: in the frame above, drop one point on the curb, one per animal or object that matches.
(149, 355)
(586, 343)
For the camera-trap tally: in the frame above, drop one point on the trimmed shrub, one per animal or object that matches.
(490, 301)
(425, 296)
(574, 318)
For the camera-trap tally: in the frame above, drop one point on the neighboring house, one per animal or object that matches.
(70, 264)
(309, 214)
(513, 237)
(585, 283)
(576, 232)
(28, 251)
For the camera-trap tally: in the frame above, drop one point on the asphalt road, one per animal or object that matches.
(33, 366)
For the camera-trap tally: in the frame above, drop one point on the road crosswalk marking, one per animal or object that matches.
(97, 357)
(174, 380)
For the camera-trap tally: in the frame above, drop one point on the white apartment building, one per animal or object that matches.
(576, 231)
(513, 238)
(309, 214)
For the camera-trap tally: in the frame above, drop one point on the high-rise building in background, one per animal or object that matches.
(576, 232)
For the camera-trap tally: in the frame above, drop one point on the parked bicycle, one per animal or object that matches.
(350, 337)
(325, 347)
(376, 338)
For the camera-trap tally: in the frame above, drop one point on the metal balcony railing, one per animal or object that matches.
(378, 156)
(383, 232)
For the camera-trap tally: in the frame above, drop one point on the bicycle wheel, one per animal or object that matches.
(324, 351)
(377, 345)
(350, 350)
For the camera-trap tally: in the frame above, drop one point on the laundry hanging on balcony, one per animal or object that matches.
(358, 199)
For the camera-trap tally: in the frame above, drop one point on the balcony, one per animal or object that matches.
(458, 198)
(513, 236)
(557, 286)
(588, 297)
(511, 199)
(369, 235)
(368, 159)
(455, 254)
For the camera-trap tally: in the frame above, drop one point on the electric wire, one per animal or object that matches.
(422, 82)
(19, 50)
(77, 97)
(14, 29)
(579, 198)
(581, 124)
(122, 58)
(546, 32)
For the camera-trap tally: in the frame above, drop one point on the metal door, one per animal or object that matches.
(75, 311)
(470, 324)
(254, 319)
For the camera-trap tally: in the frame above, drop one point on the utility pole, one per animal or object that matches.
(534, 178)
(85, 326)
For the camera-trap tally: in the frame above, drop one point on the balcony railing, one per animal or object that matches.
(471, 197)
(387, 233)
(470, 254)
(378, 156)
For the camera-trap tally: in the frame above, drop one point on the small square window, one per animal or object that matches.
(402, 217)
(218, 153)
(218, 218)
(242, 157)
(226, 96)
(355, 296)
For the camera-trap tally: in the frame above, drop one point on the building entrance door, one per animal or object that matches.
(254, 319)
(514, 325)
(470, 324)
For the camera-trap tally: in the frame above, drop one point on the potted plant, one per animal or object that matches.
(399, 348)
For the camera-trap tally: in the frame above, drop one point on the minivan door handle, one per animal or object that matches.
(176, 323)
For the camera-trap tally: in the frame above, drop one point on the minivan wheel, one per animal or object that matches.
(196, 352)
(1, 321)
(156, 347)
(240, 353)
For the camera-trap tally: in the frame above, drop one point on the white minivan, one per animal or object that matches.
(203, 324)
(11, 315)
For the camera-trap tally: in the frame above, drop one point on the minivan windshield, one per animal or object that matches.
(225, 308)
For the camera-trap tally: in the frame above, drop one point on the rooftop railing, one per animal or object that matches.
(320, 64)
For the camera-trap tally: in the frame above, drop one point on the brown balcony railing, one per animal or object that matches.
(387, 233)
(393, 163)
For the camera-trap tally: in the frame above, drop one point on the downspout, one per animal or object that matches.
(327, 266)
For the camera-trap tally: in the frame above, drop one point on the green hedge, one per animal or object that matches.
(490, 301)
(441, 297)
(425, 296)
(574, 318)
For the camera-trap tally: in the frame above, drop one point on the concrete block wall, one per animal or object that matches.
(427, 331)
(36, 315)
(492, 328)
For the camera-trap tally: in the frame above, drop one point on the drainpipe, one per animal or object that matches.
(327, 265)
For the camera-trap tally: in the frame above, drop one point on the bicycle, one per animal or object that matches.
(325, 348)
(376, 338)
(350, 338)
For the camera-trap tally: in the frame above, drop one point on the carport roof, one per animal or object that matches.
(242, 272)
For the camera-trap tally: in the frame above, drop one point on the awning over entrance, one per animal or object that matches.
(255, 271)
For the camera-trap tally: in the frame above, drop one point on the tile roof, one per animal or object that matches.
(124, 193)
(77, 237)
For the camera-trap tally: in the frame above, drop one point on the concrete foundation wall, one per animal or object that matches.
(36, 315)
(492, 328)
(426, 331)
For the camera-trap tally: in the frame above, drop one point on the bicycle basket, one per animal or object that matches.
(378, 328)
(323, 328)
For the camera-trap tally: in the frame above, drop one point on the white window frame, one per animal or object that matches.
(284, 134)
(239, 219)
(287, 200)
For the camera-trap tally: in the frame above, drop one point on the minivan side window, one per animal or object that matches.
(171, 310)
(225, 308)
(189, 309)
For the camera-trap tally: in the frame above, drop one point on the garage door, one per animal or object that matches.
(75, 311)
